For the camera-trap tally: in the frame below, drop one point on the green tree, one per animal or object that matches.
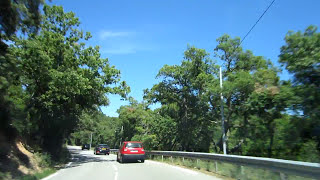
(253, 99)
(15, 16)
(239, 68)
(62, 77)
(266, 105)
(165, 129)
(139, 123)
(104, 129)
(301, 57)
(135, 119)
(183, 91)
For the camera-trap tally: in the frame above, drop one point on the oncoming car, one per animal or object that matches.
(131, 150)
(85, 146)
(101, 149)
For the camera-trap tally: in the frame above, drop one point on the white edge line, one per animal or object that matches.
(115, 167)
(51, 176)
(116, 175)
(56, 173)
(115, 171)
(68, 164)
(192, 172)
(59, 171)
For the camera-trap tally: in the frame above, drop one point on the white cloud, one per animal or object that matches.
(111, 34)
(121, 50)
(123, 42)
(126, 48)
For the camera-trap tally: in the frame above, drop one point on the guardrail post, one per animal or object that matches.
(198, 163)
(242, 170)
(283, 176)
(216, 166)
(280, 168)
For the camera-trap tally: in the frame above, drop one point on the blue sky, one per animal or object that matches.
(140, 36)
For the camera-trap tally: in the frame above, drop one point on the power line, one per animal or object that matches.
(257, 21)
(222, 114)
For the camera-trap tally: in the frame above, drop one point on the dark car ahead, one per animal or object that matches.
(85, 146)
(102, 149)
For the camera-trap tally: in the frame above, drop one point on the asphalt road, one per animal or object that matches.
(85, 165)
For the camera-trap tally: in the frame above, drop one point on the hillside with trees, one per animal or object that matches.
(49, 78)
(264, 116)
(52, 85)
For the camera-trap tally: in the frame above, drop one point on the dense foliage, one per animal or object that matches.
(52, 85)
(19, 15)
(59, 78)
(102, 128)
(264, 116)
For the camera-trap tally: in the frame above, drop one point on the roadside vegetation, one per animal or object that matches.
(52, 86)
(20, 161)
(48, 78)
(264, 115)
(223, 169)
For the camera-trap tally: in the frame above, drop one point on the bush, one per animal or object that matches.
(309, 152)
(44, 159)
(39, 175)
(5, 175)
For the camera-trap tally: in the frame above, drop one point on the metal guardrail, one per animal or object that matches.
(299, 168)
(304, 169)
(114, 150)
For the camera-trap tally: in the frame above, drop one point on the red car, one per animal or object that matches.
(131, 150)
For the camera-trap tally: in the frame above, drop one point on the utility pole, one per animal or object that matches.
(90, 140)
(222, 118)
(121, 133)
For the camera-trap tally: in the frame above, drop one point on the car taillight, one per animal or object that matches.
(142, 149)
(125, 150)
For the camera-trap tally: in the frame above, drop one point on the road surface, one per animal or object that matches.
(85, 165)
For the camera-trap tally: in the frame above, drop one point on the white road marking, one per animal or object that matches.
(59, 171)
(115, 171)
(115, 167)
(56, 173)
(68, 164)
(116, 175)
(175, 167)
(51, 176)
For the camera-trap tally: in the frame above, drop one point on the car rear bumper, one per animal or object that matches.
(102, 152)
(133, 156)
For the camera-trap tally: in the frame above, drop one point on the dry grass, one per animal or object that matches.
(15, 160)
(32, 159)
(225, 170)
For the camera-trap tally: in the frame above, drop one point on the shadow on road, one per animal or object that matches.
(80, 159)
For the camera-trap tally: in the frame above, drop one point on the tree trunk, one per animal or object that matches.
(271, 134)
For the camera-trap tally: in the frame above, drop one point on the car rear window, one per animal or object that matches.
(103, 145)
(134, 145)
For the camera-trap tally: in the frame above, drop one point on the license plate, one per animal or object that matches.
(103, 148)
(134, 151)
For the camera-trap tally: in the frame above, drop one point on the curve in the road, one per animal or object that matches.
(85, 165)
